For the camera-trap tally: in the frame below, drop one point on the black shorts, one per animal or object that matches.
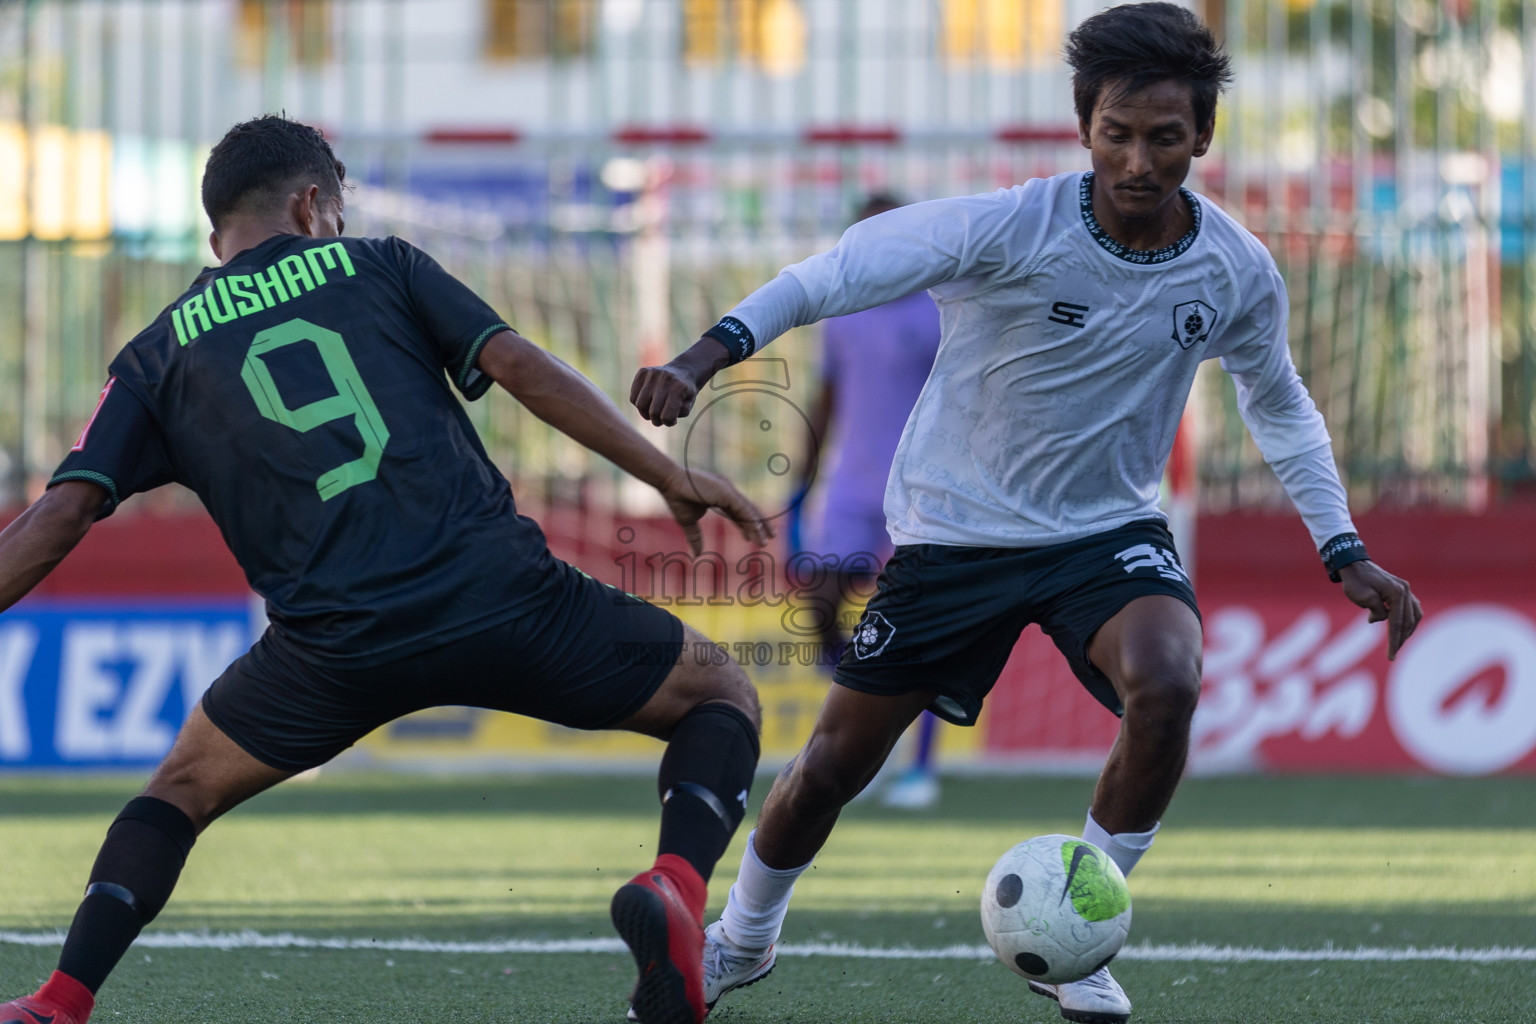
(946, 618)
(588, 658)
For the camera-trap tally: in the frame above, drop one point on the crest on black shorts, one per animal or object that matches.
(874, 632)
(1193, 322)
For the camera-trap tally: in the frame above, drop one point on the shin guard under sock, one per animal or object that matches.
(705, 776)
(131, 880)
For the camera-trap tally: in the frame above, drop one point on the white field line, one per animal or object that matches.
(1198, 953)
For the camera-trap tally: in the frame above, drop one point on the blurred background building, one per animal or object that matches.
(614, 174)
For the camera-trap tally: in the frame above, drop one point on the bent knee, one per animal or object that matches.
(182, 787)
(200, 787)
(1166, 704)
(729, 684)
(1162, 686)
(711, 676)
(718, 683)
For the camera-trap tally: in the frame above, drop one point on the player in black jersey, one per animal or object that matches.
(304, 389)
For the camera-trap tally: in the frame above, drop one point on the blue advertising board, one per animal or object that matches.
(106, 685)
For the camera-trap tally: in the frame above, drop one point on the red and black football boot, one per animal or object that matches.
(61, 1000)
(660, 915)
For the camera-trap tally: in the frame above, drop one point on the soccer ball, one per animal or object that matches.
(1055, 909)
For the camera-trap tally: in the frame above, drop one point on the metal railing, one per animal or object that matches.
(614, 197)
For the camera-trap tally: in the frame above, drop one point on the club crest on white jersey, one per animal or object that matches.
(1193, 322)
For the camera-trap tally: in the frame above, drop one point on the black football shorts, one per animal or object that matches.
(946, 618)
(588, 657)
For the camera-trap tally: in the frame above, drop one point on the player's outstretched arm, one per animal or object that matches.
(1386, 597)
(664, 394)
(42, 535)
(573, 405)
(878, 259)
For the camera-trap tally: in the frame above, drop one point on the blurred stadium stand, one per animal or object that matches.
(613, 174)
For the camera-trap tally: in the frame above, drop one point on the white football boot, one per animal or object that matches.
(727, 968)
(1097, 999)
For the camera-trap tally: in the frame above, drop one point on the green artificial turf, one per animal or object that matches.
(1296, 863)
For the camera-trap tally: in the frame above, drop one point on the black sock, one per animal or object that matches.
(132, 878)
(705, 776)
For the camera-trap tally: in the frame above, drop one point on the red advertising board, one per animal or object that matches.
(1296, 686)
(1296, 679)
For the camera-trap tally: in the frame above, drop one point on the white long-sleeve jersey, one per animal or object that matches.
(1066, 361)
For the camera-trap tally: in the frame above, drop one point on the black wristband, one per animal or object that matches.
(1345, 549)
(733, 334)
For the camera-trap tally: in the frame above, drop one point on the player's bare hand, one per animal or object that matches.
(690, 494)
(664, 394)
(1385, 597)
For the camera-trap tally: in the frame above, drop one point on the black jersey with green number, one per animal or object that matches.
(304, 391)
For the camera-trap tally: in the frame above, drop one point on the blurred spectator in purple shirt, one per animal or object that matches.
(874, 365)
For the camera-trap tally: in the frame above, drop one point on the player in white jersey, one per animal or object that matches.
(1075, 311)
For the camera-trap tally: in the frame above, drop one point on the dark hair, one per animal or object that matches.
(259, 162)
(1130, 47)
(877, 203)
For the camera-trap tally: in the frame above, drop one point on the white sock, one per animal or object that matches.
(755, 909)
(1124, 848)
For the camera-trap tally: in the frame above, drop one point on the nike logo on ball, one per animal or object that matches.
(1077, 858)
